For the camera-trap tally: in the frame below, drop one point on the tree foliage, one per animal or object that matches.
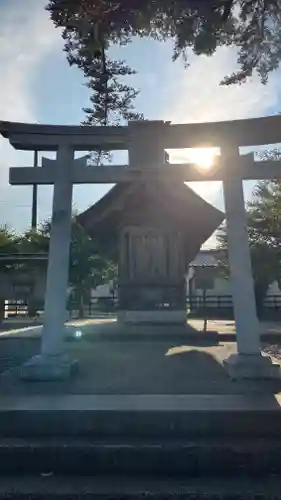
(87, 268)
(91, 27)
(7, 239)
(264, 231)
(8, 245)
(86, 45)
(34, 241)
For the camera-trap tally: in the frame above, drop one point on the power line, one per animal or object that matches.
(16, 205)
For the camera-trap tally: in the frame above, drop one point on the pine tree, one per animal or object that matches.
(87, 47)
(253, 26)
(111, 99)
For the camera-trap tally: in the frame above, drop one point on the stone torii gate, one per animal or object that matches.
(146, 142)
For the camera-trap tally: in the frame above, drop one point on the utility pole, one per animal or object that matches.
(34, 197)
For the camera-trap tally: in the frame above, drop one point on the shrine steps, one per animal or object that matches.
(254, 414)
(163, 447)
(162, 457)
(160, 469)
(128, 488)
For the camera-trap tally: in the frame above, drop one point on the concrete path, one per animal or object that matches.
(35, 331)
(220, 326)
(130, 367)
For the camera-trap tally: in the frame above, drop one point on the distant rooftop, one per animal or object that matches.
(206, 258)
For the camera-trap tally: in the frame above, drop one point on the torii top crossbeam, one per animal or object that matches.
(146, 142)
(249, 132)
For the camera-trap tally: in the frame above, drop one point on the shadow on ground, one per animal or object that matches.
(146, 367)
(114, 331)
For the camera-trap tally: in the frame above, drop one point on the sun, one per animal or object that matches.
(203, 157)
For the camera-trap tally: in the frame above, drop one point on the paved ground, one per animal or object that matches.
(221, 326)
(228, 326)
(161, 366)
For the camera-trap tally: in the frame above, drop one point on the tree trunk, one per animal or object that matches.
(260, 294)
(81, 306)
(32, 308)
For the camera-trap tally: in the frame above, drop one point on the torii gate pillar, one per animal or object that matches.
(53, 363)
(249, 361)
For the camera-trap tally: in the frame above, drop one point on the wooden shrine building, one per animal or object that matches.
(154, 230)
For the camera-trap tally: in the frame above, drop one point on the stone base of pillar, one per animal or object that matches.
(252, 366)
(45, 367)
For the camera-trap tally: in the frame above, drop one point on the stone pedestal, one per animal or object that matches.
(249, 366)
(44, 367)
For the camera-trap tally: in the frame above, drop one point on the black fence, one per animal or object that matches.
(221, 306)
(99, 306)
(211, 306)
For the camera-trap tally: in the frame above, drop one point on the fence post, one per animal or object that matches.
(205, 309)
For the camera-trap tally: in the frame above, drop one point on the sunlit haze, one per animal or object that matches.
(204, 158)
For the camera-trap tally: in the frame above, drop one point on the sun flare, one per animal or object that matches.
(203, 157)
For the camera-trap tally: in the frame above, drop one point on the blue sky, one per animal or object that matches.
(37, 85)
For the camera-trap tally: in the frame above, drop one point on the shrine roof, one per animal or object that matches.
(177, 198)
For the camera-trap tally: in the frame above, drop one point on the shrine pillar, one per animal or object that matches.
(248, 362)
(52, 362)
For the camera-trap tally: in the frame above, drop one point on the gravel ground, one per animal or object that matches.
(273, 350)
(15, 351)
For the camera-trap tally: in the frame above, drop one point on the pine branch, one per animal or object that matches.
(253, 26)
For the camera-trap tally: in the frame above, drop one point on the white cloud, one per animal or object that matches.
(26, 35)
(198, 96)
